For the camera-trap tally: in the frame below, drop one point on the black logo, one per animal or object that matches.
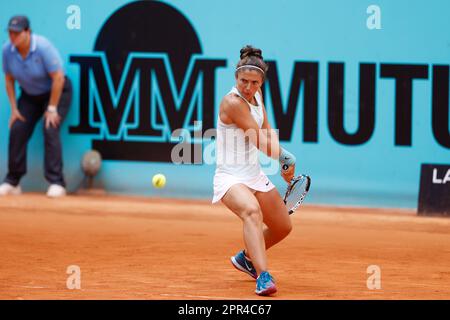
(145, 79)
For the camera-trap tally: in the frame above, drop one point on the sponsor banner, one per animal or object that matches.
(359, 92)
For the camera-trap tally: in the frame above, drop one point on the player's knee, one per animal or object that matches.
(252, 213)
(286, 229)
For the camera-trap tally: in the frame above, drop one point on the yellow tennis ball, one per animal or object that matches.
(159, 180)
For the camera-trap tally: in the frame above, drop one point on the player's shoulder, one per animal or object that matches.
(232, 101)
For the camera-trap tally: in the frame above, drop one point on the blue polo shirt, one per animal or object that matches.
(32, 73)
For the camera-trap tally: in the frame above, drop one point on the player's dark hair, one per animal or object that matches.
(252, 56)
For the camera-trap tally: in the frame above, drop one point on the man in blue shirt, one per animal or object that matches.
(36, 65)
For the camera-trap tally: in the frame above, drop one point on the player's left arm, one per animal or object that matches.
(274, 141)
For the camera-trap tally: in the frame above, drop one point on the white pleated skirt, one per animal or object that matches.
(224, 181)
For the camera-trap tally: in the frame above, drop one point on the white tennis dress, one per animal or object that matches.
(237, 159)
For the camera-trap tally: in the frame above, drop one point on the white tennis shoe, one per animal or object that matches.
(7, 189)
(56, 191)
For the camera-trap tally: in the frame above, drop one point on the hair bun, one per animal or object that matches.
(249, 51)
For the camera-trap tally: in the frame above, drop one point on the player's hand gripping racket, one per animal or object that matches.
(296, 192)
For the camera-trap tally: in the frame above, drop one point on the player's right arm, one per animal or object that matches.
(234, 110)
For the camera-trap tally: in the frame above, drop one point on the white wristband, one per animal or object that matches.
(51, 109)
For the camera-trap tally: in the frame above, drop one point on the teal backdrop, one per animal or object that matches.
(379, 171)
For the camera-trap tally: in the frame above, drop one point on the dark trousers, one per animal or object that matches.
(32, 109)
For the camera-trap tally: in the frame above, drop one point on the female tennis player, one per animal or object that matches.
(242, 131)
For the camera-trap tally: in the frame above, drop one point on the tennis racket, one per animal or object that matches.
(296, 192)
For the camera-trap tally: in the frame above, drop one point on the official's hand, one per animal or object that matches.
(15, 115)
(52, 119)
(288, 174)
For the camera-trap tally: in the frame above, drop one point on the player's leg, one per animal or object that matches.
(276, 217)
(243, 203)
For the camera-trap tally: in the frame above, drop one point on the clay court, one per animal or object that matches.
(142, 248)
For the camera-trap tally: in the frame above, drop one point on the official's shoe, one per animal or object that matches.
(242, 263)
(56, 191)
(7, 189)
(265, 284)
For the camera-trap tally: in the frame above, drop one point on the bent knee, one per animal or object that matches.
(287, 228)
(284, 229)
(253, 213)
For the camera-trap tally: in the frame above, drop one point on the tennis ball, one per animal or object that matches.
(159, 180)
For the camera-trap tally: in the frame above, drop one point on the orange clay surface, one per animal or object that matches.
(142, 248)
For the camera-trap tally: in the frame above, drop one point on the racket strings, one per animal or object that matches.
(296, 193)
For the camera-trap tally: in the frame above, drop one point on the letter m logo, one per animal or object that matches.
(145, 106)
